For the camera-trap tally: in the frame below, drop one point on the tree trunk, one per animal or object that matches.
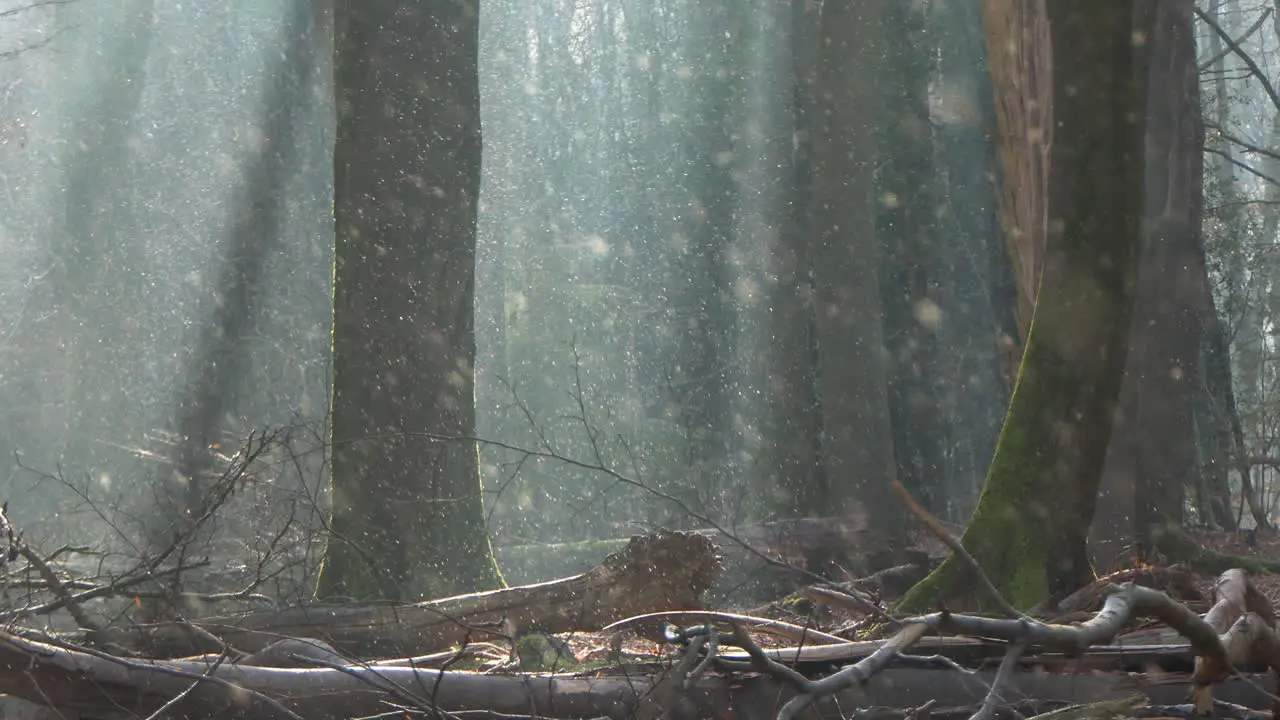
(1028, 531)
(1152, 455)
(857, 443)
(977, 291)
(1018, 58)
(220, 351)
(791, 467)
(407, 520)
(704, 274)
(913, 317)
(1223, 419)
(93, 341)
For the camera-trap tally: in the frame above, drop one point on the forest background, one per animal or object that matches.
(672, 264)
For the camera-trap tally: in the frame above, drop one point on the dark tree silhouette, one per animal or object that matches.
(407, 517)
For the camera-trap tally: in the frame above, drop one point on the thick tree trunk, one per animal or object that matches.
(623, 585)
(1028, 531)
(407, 518)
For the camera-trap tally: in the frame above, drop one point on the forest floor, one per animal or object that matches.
(587, 646)
(1266, 547)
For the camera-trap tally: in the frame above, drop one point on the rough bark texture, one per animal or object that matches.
(407, 517)
(1152, 453)
(1029, 529)
(1018, 57)
(857, 444)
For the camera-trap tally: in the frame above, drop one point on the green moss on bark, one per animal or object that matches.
(1028, 531)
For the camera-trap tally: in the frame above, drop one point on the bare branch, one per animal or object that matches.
(1244, 36)
(1242, 166)
(1244, 56)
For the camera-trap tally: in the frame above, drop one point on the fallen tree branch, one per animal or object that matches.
(92, 684)
(654, 572)
(84, 681)
(1008, 666)
(1093, 594)
(777, 628)
(1123, 604)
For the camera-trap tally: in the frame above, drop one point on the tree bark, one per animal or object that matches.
(1018, 58)
(912, 266)
(857, 444)
(791, 468)
(1153, 453)
(78, 684)
(977, 291)
(1029, 529)
(407, 520)
(707, 317)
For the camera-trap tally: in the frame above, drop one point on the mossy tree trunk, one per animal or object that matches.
(1029, 529)
(407, 518)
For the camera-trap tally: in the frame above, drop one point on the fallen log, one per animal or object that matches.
(661, 571)
(78, 683)
(1245, 623)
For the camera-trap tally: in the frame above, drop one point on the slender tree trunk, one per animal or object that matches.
(97, 309)
(909, 282)
(857, 443)
(1018, 47)
(792, 444)
(1170, 351)
(977, 291)
(1029, 529)
(407, 518)
(220, 350)
(706, 320)
(1224, 421)
(1152, 453)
